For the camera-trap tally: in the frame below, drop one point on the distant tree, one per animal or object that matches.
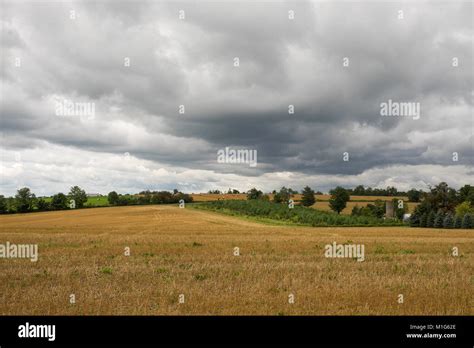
(359, 191)
(282, 196)
(467, 221)
(391, 191)
(175, 191)
(307, 198)
(377, 209)
(442, 197)
(125, 200)
(438, 222)
(458, 221)
(234, 191)
(113, 198)
(145, 198)
(78, 195)
(339, 199)
(42, 205)
(431, 219)
(464, 208)
(59, 202)
(423, 220)
(3, 205)
(448, 221)
(182, 196)
(415, 220)
(254, 194)
(164, 197)
(24, 200)
(466, 194)
(11, 205)
(414, 195)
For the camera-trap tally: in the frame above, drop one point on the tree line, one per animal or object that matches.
(149, 197)
(445, 207)
(441, 206)
(26, 201)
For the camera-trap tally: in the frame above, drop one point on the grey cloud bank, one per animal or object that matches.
(426, 58)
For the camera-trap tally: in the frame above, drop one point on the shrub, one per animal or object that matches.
(144, 199)
(356, 211)
(298, 214)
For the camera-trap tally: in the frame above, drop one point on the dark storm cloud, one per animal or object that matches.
(190, 62)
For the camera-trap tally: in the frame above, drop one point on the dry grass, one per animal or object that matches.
(176, 251)
(324, 206)
(206, 197)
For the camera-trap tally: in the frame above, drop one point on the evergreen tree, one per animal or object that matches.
(414, 220)
(448, 221)
(423, 220)
(438, 222)
(458, 221)
(431, 219)
(308, 197)
(467, 221)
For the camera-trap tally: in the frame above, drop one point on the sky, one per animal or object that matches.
(301, 84)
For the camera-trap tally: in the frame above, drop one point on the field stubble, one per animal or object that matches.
(185, 251)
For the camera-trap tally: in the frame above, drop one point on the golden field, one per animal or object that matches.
(206, 197)
(186, 251)
(324, 206)
(322, 201)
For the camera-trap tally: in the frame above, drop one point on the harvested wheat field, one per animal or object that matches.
(324, 206)
(185, 251)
